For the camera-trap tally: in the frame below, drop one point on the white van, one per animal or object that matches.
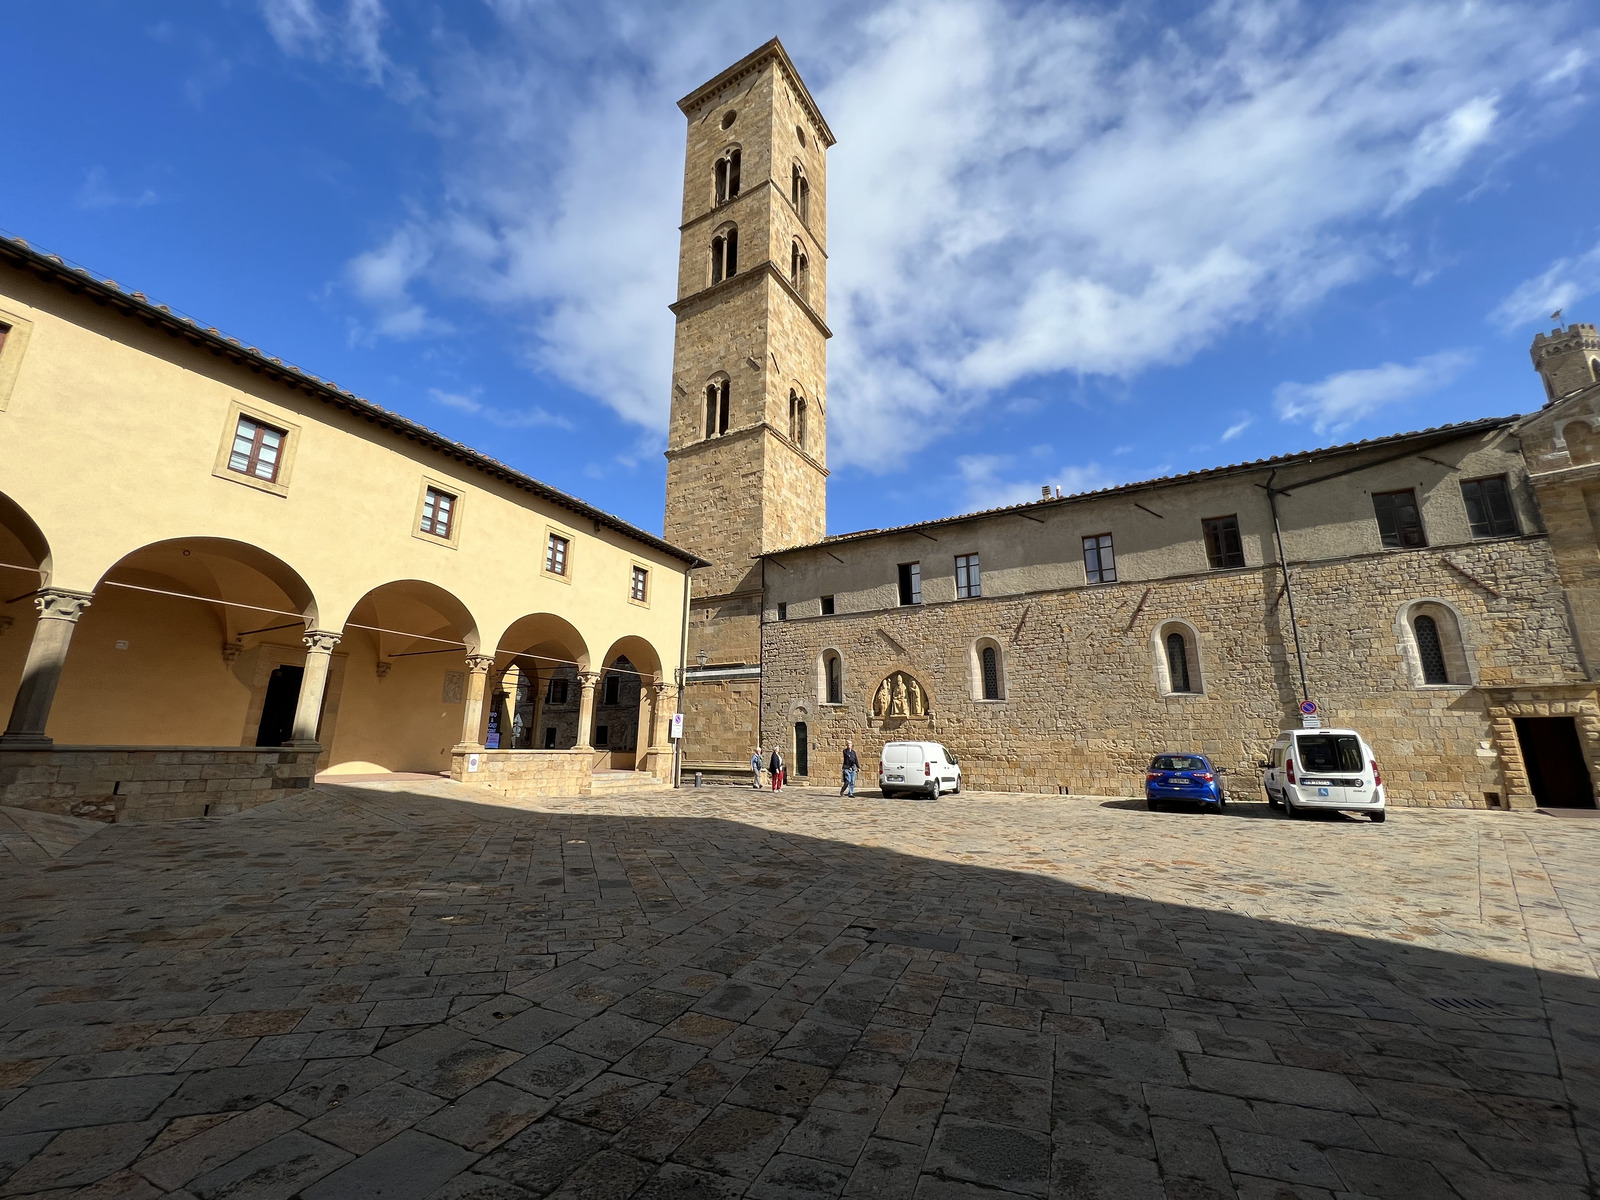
(925, 767)
(1323, 768)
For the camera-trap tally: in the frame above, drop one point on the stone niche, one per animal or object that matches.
(898, 698)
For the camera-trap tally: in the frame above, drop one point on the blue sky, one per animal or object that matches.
(1076, 244)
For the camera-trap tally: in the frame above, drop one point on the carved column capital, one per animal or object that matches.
(588, 679)
(480, 664)
(384, 667)
(320, 641)
(5, 624)
(61, 604)
(661, 688)
(231, 652)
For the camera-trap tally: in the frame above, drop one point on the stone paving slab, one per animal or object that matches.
(411, 988)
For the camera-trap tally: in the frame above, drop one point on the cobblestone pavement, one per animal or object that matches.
(405, 990)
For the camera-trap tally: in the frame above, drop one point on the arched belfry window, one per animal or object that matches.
(988, 670)
(727, 175)
(716, 407)
(800, 193)
(1430, 650)
(799, 266)
(725, 254)
(990, 661)
(797, 418)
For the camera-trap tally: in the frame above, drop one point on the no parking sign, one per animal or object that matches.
(1308, 708)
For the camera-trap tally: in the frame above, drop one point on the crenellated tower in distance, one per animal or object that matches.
(747, 445)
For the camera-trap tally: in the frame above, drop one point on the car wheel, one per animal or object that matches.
(1378, 817)
(887, 794)
(1272, 801)
(1216, 808)
(1289, 810)
(1152, 803)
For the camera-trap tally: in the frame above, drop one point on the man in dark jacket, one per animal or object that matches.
(852, 764)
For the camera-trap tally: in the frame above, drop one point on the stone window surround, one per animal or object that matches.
(286, 453)
(457, 508)
(822, 678)
(636, 565)
(975, 670)
(559, 531)
(1158, 651)
(19, 330)
(1455, 639)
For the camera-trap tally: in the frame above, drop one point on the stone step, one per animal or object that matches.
(606, 782)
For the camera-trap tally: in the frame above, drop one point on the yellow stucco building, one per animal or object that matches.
(222, 574)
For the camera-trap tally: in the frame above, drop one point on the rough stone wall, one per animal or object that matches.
(151, 783)
(1083, 706)
(719, 724)
(728, 629)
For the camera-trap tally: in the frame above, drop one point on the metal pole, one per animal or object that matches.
(1288, 587)
(683, 679)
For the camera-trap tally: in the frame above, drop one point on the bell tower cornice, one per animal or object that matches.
(750, 65)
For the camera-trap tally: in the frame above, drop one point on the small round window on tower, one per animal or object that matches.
(728, 118)
(801, 134)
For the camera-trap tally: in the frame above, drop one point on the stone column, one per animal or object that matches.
(478, 668)
(313, 684)
(644, 738)
(587, 681)
(59, 610)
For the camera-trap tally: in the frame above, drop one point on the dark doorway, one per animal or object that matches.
(277, 710)
(802, 757)
(1554, 757)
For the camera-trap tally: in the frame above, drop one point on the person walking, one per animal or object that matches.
(852, 764)
(755, 769)
(775, 768)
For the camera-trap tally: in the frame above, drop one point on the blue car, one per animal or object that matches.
(1188, 777)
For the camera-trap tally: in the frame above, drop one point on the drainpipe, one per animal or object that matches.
(1288, 588)
(683, 680)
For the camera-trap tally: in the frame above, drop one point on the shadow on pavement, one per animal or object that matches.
(395, 994)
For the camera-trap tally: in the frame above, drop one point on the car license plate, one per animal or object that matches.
(1322, 791)
(897, 778)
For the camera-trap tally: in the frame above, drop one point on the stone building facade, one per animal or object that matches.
(1444, 585)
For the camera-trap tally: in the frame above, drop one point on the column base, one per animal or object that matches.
(25, 741)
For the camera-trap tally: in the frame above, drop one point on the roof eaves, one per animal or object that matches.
(1448, 432)
(106, 291)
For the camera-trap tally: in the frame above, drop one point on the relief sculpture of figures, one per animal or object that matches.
(900, 695)
(915, 695)
(880, 703)
(899, 709)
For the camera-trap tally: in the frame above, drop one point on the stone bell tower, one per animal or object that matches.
(1568, 360)
(747, 446)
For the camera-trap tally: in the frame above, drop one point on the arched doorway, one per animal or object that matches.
(802, 750)
(402, 705)
(188, 642)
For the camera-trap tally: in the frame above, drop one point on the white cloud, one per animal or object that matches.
(304, 29)
(1238, 427)
(1018, 190)
(97, 192)
(528, 418)
(383, 278)
(1562, 284)
(1340, 400)
(983, 476)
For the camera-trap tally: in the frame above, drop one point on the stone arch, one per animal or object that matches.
(1583, 442)
(550, 657)
(830, 676)
(213, 628)
(1417, 649)
(25, 564)
(899, 695)
(405, 645)
(1178, 663)
(986, 669)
